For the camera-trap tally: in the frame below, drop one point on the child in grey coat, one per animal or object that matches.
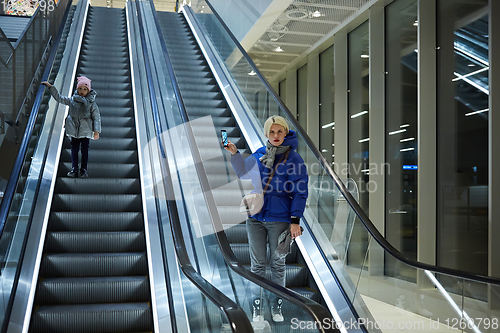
(82, 123)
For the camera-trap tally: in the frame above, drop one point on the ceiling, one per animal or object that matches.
(285, 32)
(298, 28)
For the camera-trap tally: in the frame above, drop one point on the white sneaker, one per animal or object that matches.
(257, 313)
(276, 313)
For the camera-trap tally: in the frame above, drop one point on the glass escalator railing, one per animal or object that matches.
(207, 247)
(439, 299)
(197, 306)
(16, 208)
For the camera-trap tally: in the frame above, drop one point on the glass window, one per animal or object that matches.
(302, 105)
(282, 93)
(401, 133)
(326, 105)
(358, 43)
(462, 119)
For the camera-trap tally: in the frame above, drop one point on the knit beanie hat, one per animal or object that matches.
(83, 81)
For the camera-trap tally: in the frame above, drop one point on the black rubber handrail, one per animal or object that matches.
(317, 312)
(379, 238)
(18, 164)
(237, 318)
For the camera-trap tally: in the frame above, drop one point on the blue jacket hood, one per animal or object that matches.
(291, 140)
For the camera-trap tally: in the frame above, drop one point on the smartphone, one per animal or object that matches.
(224, 137)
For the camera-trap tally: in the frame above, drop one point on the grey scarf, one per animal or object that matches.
(271, 151)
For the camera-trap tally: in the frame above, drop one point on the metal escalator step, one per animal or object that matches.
(113, 289)
(205, 95)
(99, 85)
(89, 242)
(113, 143)
(107, 121)
(196, 56)
(96, 221)
(115, 111)
(96, 203)
(198, 111)
(105, 170)
(197, 83)
(93, 264)
(200, 102)
(98, 185)
(193, 74)
(107, 53)
(93, 72)
(120, 317)
(105, 156)
(105, 42)
(119, 132)
(117, 65)
(110, 98)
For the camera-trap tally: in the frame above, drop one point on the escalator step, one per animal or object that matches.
(98, 186)
(90, 221)
(80, 290)
(105, 156)
(93, 264)
(89, 242)
(105, 170)
(120, 317)
(97, 203)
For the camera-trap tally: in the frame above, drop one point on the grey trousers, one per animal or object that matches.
(260, 234)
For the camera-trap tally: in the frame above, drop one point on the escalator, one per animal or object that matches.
(203, 98)
(332, 212)
(94, 269)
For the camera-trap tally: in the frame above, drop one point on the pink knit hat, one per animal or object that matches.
(83, 81)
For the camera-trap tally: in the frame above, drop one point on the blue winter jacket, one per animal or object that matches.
(287, 193)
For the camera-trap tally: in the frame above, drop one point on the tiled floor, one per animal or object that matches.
(391, 319)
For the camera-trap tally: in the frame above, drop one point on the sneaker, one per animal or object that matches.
(257, 314)
(73, 173)
(83, 173)
(276, 313)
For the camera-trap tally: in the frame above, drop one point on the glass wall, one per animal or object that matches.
(326, 105)
(463, 89)
(358, 123)
(401, 132)
(302, 104)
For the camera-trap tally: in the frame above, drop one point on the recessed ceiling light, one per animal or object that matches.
(316, 14)
(278, 49)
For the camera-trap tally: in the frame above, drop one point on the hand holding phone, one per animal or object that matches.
(224, 138)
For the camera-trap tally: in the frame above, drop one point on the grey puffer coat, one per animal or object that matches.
(83, 116)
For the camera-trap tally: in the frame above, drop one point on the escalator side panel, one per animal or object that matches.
(94, 270)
